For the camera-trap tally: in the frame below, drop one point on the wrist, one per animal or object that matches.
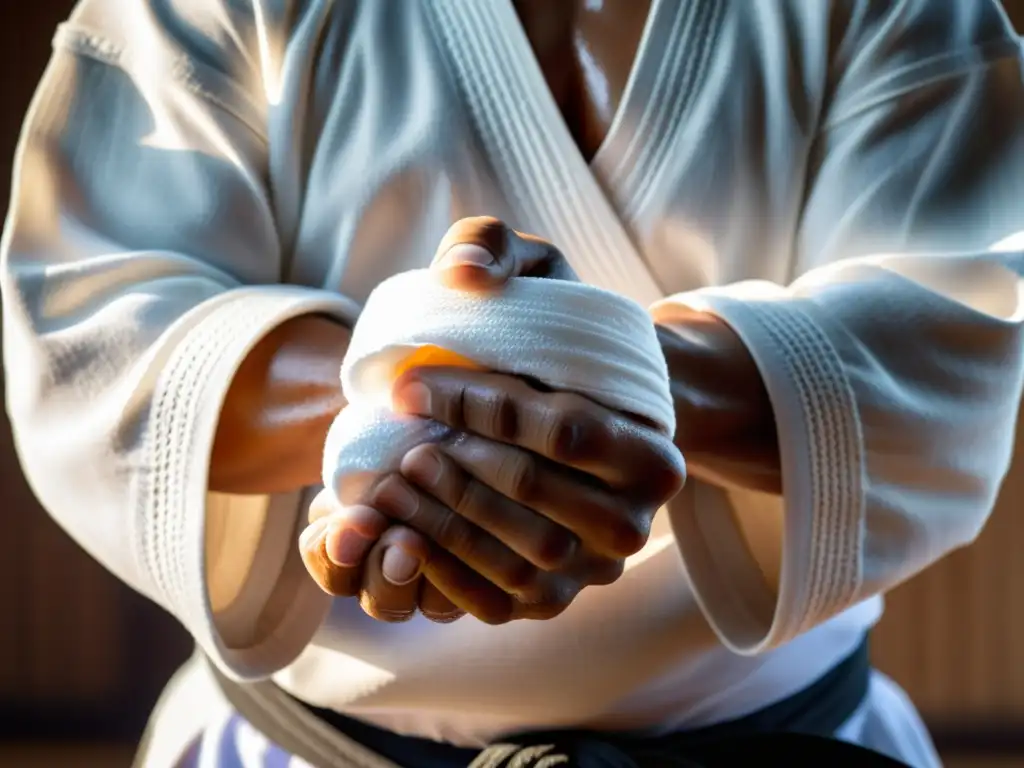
(725, 421)
(278, 409)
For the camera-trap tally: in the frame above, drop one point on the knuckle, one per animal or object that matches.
(496, 415)
(556, 548)
(565, 426)
(453, 407)
(659, 470)
(452, 533)
(672, 480)
(517, 476)
(496, 611)
(629, 533)
(520, 577)
(486, 230)
(607, 571)
(620, 527)
(559, 595)
(466, 498)
(665, 474)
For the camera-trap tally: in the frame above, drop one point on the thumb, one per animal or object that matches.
(483, 253)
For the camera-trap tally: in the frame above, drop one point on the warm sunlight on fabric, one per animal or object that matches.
(268, 59)
(1014, 242)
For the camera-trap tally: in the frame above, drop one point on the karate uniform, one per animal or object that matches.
(829, 177)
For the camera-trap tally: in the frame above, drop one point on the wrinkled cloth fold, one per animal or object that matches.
(567, 336)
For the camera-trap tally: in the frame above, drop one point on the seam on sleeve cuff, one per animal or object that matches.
(172, 497)
(821, 451)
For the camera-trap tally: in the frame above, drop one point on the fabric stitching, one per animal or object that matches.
(834, 584)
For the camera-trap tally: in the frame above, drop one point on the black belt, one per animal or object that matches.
(793, 731)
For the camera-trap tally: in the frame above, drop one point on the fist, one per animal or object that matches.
(533, 496)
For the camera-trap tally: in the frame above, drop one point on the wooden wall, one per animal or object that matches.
(954, 636)
(79, 649)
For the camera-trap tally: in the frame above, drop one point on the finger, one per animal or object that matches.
(480, 598)
(499, 491)
(542, 542)
(391, 577)
(563, 427)
(361, 518)
(351, 530)
(473, 546)
(483, 253)
(334, 579)
(466, 589)
(435, 606)
(336, 542)
(539, 510)
(323, 504)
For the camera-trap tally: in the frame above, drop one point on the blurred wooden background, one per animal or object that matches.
(81, 656)
(954, 636)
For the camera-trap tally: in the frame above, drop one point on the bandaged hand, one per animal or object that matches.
(523, 497)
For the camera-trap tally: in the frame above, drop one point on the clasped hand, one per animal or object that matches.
(532, 496)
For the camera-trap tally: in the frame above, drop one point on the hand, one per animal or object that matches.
(726, 423)
(535, 496)
(346, 550)
(352, 551)
(540, 493)
(726, 429)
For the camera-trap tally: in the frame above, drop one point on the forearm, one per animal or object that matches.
(278, 409)
(725, 422)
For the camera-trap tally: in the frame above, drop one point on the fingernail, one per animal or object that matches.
(414, 398)
(467, 255)
(445, 618)
(346, 546)
(313, 532)
(399, 567)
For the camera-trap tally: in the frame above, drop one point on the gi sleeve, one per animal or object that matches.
(140, 263)
(894, 362)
